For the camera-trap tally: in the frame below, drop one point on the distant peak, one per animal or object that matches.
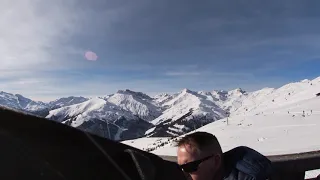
(133, 93)
(21, 97)
(185, 90)
(305, 81)
(77, 97)
(125, 91)
(2, 92)
(162, 95)
(238, 90)
(204, 92)
(107, 96)
(220, 91)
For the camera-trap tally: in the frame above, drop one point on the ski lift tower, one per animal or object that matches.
(227, 114)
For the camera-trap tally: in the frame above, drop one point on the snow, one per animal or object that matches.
(270, 133)
(94, 108)
(264, 99)
(138, 104)
(312, 174)
(19, 102)
(163, 98)
(74, 110)
(9, 100)
(184, 102)
(150, 130)
(145, 143)
(179, 126)
(272, 121)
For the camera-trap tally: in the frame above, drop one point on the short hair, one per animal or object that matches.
(201, 141)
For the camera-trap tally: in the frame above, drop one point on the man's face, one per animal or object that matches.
(206, 170)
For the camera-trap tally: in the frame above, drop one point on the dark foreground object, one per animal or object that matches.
(36, 148)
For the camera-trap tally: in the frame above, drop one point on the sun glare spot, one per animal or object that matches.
(90, 56)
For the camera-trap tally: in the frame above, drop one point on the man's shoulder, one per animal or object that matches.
(245, 163)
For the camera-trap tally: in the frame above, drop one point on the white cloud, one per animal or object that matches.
(32, 31)
(35, 38)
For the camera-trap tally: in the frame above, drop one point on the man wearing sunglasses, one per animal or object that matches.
(200, 155)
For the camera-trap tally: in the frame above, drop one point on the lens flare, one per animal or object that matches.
(91, 56)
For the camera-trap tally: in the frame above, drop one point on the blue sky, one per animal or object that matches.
(155, 46)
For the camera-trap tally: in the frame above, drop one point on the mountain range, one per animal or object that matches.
(128, 114)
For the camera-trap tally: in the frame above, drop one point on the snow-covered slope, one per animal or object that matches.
(272, 133)
(273, 121)
(185, 111)
(77, 110)
(163, 98)
(147, 144)
(266, 99)
(19, 102)
(9, 100)
(124, 111)
(137, 103)
(184, 102)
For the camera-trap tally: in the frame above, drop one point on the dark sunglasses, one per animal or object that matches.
(193, 166)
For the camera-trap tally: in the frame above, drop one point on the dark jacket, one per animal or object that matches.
(243, 163)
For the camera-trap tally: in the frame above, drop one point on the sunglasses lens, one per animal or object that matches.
(193, 166)
(189, 168)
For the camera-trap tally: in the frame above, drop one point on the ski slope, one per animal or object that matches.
(272, 132)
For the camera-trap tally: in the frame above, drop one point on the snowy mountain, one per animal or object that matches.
(185, 111)
(170, 115)
(272, 121)
(137, 103)
(271, 133)
(17, 101)
(268, 98)
(128, 114)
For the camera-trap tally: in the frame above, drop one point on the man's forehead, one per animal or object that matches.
(183, 149)
(188, 150)
(186, 147)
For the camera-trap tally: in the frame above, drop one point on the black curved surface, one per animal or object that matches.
(36, 148)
